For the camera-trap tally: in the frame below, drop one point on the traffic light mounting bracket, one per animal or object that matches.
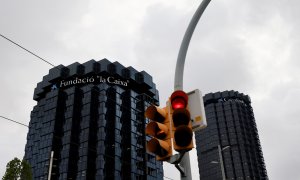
(176, 159)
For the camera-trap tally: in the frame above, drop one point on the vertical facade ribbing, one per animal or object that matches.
(95, 128)
(231, 124)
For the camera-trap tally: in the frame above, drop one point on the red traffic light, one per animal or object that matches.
(181, 122)
(179, 100)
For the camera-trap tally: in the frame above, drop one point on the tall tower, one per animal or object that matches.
(230, 141)
(91, 116)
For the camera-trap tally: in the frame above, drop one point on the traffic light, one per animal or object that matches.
(159, 129)
(182, 127)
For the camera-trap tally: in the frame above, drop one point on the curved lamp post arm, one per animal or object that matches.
(178, 83)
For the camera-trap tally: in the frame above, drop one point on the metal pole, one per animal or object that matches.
(185, 163)
(185, 44)
(221, 162)
(178, 82)
(50, 165)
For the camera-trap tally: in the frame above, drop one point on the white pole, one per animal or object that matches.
(185, 44)
(50, 165)
(221, 162)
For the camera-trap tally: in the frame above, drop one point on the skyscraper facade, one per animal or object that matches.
(91, 117)
(230, 143)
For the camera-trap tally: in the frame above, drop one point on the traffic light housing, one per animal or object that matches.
(159, 129)
(181, 122)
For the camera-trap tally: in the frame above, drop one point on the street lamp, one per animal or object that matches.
(221, 160)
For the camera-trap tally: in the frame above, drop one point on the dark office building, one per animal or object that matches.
(231, 126)
(91, 116)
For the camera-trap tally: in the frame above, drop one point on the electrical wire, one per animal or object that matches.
(26, 50)
(126, 162)
(168, 177)
(34, 54)
(14, 121)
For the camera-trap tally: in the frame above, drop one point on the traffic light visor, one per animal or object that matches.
(157, 129)
(155, 113)
(179, 99)
(158, 147)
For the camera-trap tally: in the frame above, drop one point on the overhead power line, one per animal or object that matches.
(168, 177)
(60, 137)
(14, 121)
(45, 61)
(26, 50)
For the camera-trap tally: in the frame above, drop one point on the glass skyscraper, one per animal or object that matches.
(91, 116)
(231, 127)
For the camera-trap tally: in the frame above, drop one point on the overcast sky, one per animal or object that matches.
(248, 46)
